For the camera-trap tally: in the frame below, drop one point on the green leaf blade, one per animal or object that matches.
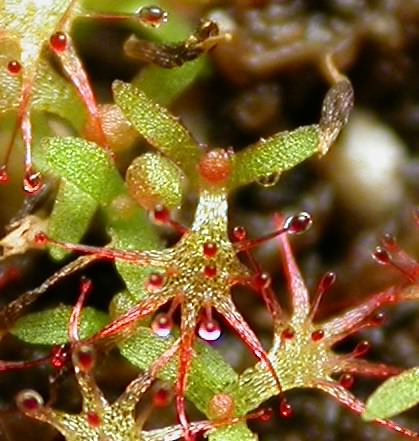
(394, 396)
(157, 126)
(85, 165)
(53, 94)
(70, 217)
(235, 432)
(50, 327)
(130, 229)
(274, 155)
(164, 85)
(153, 179)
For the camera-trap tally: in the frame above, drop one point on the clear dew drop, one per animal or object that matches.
(269, 181)
(209, 330)
(152, 16)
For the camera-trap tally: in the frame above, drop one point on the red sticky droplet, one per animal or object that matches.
(209, 330)
(85, 358)
(32, 181)
(29, 401)
(59, 356)
(93, 419)
(30, 404)
(214, 167)
(14, 67)
(162, 325)
(317, 335)
(327, 281)
(265, 415)
(381, 255)
(378, 319)
(161, 398)
(4, 175)
(58, 42)
(153, 16)
(86, 285)
(210, 249)
(239, 233)
(285, 409)
(41, 238)
(210, 271)
(346, 381)
(9, 274)
(288, 333)
(262, 281)
(361, 349)
(299, 223)
(161, 214)
(154, 282)
(389, 242)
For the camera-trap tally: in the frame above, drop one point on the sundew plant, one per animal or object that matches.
(135, 186)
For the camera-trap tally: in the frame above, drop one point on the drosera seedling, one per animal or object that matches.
(401, 392)
(41, 23)
(302, 351)
(197, 273)
(26, 28)
(98, 419)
